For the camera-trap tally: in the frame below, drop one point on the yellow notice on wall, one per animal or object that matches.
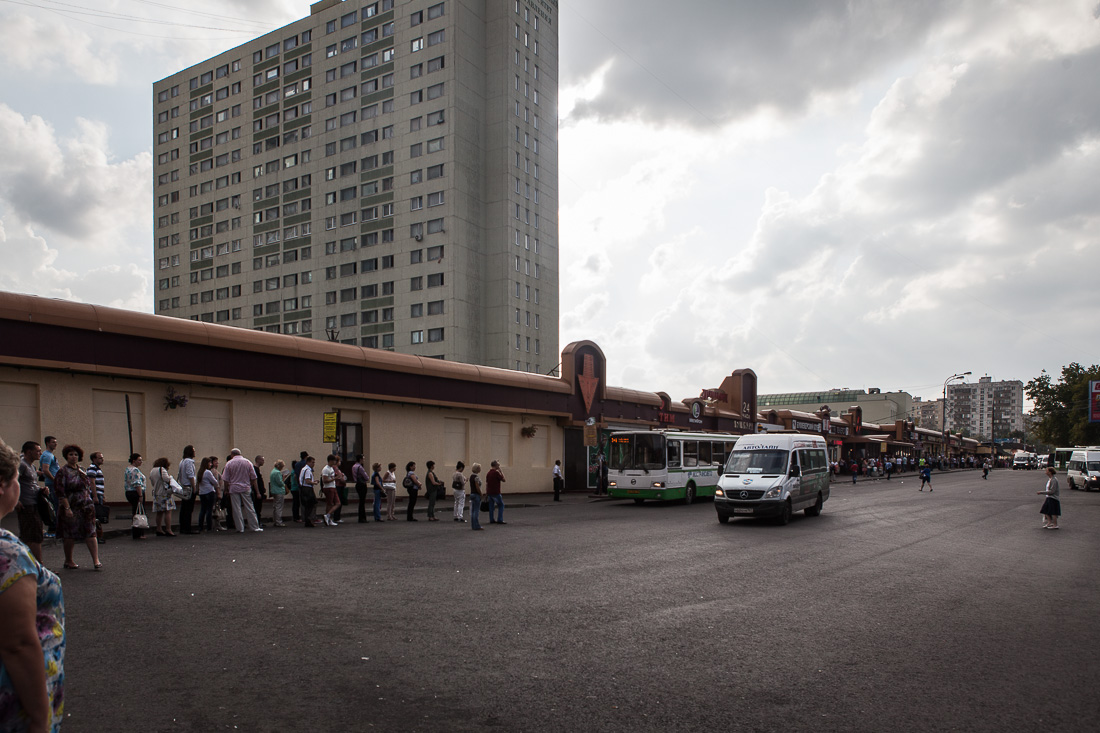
(590, 435)
(331, 421)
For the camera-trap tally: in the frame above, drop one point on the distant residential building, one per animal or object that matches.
(927, 413)
(986, 408)
(878, 406)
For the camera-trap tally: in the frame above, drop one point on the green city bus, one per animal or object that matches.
(666, 465)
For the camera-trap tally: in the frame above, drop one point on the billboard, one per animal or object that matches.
(1094, 401)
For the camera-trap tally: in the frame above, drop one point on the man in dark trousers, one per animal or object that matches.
(260, 491)
(296, 499)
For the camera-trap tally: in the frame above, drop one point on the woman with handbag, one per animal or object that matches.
(389, 483)
(208, 493)
(475, 495)
(1052, 506)
(412, 485)
(163, 500)
(76, 500)
(435, 489)
(134, 485)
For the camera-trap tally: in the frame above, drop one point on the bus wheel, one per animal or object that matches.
(689, 494)
(815, 510)
(785, 517)
(1071, 486)
(639, 501)
(723, 519)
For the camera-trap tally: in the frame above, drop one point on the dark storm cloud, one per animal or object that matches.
(727, 59)
(1002, 120)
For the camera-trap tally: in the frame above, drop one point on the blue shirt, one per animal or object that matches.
(49, 466)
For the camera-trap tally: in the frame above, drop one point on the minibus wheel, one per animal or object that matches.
(689, 494)
(723, 519)
(785, 515)
(815, 510)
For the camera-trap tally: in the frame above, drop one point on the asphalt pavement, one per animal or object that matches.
(893, 610)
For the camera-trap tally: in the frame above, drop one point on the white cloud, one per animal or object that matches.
(70, 214)
(43, 48)
(32, 266)
(71, 186)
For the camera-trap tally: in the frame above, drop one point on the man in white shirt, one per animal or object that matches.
(306, 490)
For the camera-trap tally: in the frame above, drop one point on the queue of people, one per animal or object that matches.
(233, 497)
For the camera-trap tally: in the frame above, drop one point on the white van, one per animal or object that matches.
(1083, 470)
(773, 475)
(1021, 461)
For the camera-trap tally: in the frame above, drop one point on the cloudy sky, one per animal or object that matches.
(859, 194)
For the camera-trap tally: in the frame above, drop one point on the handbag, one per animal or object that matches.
(457, 485)
(102, 513)
(484, 505)
(141, 520)
(177, 490)
(408, 483)
(46, 510)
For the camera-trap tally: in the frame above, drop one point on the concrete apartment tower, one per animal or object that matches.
(986, 408)
(383, 173)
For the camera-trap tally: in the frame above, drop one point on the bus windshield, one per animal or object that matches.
(637, 452)
(757, 461)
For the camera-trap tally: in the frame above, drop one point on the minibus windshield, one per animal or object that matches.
(757, 461)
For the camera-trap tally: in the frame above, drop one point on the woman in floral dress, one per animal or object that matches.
(164, 502)
(76, 506)
(32, 616)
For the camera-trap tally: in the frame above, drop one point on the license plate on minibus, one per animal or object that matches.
(742, 511)
(632, 491)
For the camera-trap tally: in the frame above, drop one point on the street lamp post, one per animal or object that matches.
(952, 378)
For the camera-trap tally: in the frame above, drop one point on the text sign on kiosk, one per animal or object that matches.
(331, 421)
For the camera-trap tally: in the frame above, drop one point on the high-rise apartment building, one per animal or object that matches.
(986, 408)
(382, 173)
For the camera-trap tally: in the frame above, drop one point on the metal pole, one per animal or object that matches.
(129, 425)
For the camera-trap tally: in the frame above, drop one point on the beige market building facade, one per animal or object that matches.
(102, 378)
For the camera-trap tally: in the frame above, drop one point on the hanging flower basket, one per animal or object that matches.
(528, 431)
(173, 399)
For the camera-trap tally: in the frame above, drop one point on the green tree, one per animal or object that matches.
(1062, 408)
